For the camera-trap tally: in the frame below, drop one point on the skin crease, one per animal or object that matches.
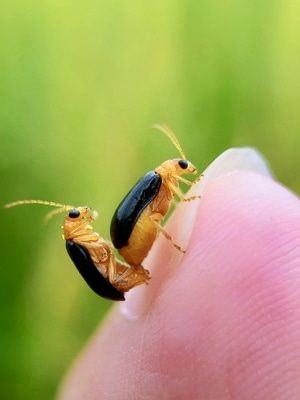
(220, 322)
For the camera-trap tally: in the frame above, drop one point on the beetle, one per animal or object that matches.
(91, 254)
(136, 221)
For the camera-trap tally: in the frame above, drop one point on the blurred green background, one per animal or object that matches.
(81, 84)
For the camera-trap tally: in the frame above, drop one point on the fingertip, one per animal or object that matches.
(223, 316)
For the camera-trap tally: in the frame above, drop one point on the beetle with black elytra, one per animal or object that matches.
(91, 254)
(136, 221)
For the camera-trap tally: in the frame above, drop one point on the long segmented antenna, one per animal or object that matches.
(62, 207)
(171, 135)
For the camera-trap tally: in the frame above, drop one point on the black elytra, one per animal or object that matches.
(132, 206)
(96, 281)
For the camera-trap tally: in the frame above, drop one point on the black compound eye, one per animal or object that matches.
(74, 213)
(183, 164)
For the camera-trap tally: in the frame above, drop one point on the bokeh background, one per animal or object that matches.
(81, 84)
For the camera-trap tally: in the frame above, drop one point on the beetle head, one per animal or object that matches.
(77, 222)
(176, 167)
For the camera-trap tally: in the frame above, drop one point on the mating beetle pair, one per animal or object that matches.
(134, 228)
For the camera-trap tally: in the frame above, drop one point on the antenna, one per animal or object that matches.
(171, 135)
(62, 207)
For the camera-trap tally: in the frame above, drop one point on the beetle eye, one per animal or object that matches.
(74, 213)
(183, 164)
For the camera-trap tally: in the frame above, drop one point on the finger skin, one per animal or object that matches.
(225, 323)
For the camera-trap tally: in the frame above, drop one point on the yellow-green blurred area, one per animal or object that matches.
(81, 84)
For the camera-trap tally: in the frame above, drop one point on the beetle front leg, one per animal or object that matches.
(189, 183)
(176, 191)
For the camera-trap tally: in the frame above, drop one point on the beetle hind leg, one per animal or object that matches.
(125, 277)
(169, 237)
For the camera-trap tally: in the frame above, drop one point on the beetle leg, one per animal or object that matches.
(164, 232)
(198, 179)
(112, 271)
(118, 272)
(176, 191)
(131, 277)
(174, 202)
(169, 237)
(90, 238)
(186, 182)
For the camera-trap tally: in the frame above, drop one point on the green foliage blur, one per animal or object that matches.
(81, 84)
